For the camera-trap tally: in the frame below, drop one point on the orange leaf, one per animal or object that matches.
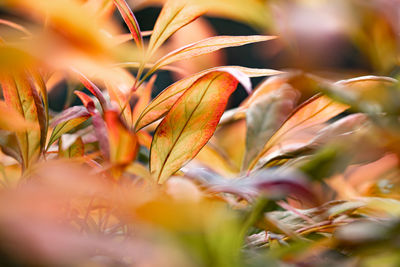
(12, 120)
(164, 101)
(87, 101)
(92, 88)
(214, 159)
(315, 111)
(144, 99)
(119, 89)
(123, 143)
(20, 94)
(190, 123)
(209, 45)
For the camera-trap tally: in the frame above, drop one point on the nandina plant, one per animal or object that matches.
(297, 173)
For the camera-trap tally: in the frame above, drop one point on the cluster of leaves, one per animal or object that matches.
(304, 172)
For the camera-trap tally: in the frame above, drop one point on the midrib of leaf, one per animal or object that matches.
(285, 132)
(185, 125)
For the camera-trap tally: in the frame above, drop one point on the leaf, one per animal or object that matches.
(264, 117)
(71, 20)
(275, 184)
(86, 101)
(340, 128)
(214, 159)
(21, 95)
(92, 88)
(123, 143)
(174, 15)
(144, 99)
(209, 45)
(99, 125)
(190, 123)
(120, 89)
(66, 121)
(345, 126)
(316, 110)
(164, 101)
(130, 21)
(12, 120)
(265, 88)
(367, 79)
(100, 129)
(10, 146)
(76, 149)
(36, 81)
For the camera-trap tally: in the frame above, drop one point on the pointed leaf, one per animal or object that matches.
(38, 82)
(123, 143)
(99, 125)
(164, 101)
(86, 101)
(100, 129)
(190, 123)
(209, 45)
(92, 88)
(66, 121)
(130, 21)
(120, 89)
(174, 15)
(316, 110)
(275, 184)
(340, 128)
(264, 117)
